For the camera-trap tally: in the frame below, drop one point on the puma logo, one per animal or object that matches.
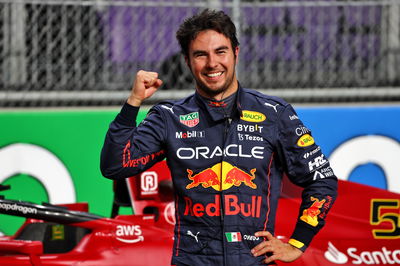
(273, 106)
(168, 108)
(189, 233)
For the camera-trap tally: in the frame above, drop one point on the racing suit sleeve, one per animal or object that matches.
(128, 149)
(306, 166)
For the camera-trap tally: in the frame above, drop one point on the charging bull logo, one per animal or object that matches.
(310, 215)
(236, 177)
(231, 176)
(207, 178)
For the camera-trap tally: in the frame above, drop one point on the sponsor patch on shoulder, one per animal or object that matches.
(305, 141)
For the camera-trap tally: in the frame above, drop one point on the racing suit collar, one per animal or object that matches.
(214, 113)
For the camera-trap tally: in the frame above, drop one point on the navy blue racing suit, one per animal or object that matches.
(227, 171)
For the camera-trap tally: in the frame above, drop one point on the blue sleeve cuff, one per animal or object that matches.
(302, 236)
(127, 115)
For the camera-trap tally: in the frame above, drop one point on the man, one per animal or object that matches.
(227, 148)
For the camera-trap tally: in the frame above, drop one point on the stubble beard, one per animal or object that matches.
(212, 92)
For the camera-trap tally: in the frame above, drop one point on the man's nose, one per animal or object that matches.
(212, 61)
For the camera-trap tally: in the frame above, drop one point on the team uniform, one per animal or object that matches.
(227, 171)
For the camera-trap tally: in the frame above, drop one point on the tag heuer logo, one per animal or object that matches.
(190, 120)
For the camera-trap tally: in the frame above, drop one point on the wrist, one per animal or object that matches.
(134, 101)
(297, 244)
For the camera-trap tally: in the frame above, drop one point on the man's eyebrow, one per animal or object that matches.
(197, 52)
(224, 47)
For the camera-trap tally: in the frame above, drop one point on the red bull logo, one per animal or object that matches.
(232, 207)
(236, 177)
(222, 176)
(310, 215)
(207, 178)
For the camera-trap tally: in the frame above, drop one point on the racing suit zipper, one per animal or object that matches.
(227, 124)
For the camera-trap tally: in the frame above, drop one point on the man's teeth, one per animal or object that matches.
(212, 75)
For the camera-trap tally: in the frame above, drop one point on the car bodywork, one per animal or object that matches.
(363, 227)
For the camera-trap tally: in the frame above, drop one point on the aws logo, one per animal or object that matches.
(129, 233)
(252, 116)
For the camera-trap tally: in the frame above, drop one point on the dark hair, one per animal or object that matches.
(206, 20)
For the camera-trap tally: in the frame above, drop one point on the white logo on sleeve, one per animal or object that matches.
(273, 106)
(168, 108)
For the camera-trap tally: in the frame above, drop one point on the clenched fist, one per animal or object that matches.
(145, 85)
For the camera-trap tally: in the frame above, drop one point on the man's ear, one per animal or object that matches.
(236, 52)
(187, 61)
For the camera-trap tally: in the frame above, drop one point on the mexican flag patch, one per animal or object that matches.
(233, 236)
(190, 120)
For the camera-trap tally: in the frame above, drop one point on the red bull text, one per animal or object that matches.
(232, 207)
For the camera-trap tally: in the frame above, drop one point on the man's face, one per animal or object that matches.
(212, 62)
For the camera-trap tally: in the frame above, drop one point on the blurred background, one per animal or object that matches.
(85, 53)
(66, 67)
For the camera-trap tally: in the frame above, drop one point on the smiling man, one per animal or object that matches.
(212, 60)
(227, 148)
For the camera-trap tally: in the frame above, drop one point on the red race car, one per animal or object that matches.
(362, 228)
